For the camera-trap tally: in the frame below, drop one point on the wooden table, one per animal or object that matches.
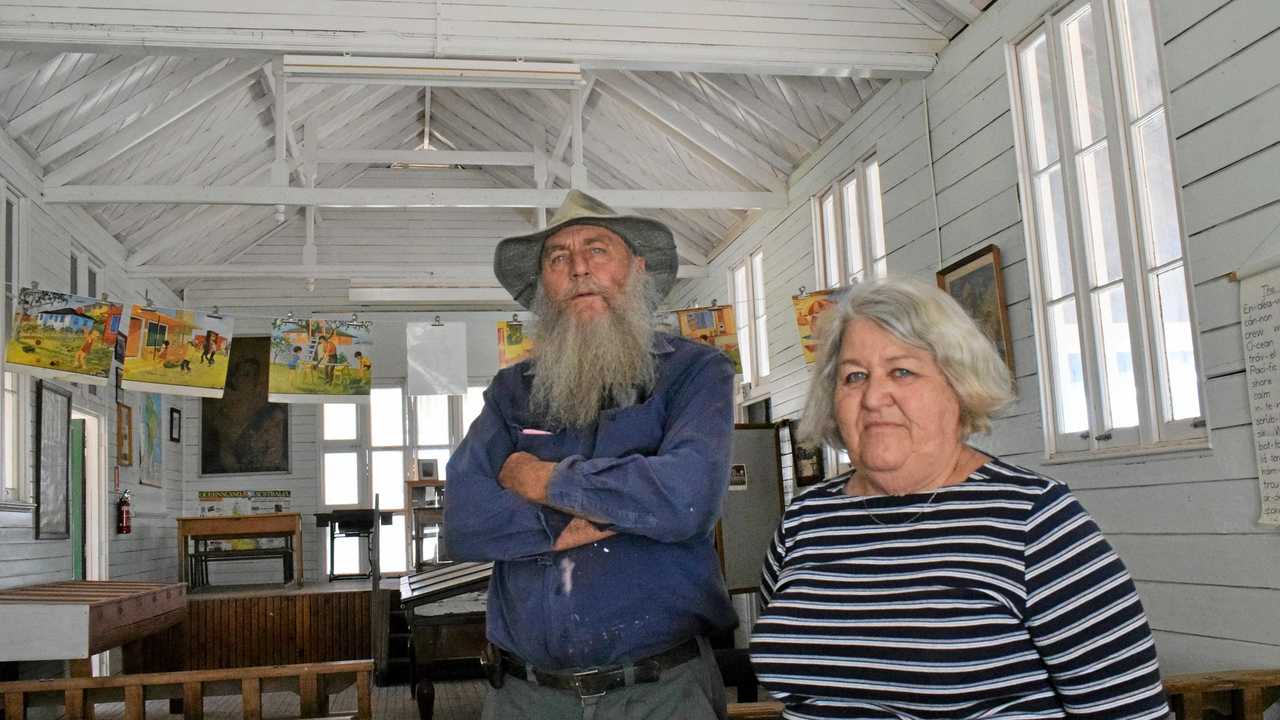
(241, 526)
(76, 620)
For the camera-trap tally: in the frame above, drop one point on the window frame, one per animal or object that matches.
(871, 264)
(755, 384)
(1153, 433)
(21, 501)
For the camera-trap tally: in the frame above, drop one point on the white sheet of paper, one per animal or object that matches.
(437, 358)
(1260, 330)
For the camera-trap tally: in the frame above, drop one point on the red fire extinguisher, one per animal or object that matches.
(124, 514)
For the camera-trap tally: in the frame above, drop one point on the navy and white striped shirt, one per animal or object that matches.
(996, 598)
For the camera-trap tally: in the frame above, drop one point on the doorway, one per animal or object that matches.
(88, 496)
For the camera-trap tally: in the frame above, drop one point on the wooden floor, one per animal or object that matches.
(455, 700)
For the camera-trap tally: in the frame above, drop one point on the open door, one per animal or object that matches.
(77, 500)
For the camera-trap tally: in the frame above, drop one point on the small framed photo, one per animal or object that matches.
(428, 469)
(976, 282)
(738, 477)
(806, 457)
(124, 435)
(175, 425)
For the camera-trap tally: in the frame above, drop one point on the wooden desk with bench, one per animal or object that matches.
(267, 525)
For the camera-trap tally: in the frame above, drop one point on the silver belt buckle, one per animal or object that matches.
(577, 683)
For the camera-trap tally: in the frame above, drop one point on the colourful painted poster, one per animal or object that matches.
(177, 351)
(809, 308)
(319, 361)
(150, 461)
(61, 336)
(514, 344)
(712, 326)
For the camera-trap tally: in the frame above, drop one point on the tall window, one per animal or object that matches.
(369, 449)
(14, 488)
(1117, 359)
(746, 287)
(849, 219)
(74, 275)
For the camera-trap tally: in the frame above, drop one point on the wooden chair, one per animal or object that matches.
(313, 683)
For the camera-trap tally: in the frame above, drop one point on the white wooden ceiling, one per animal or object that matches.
(721, 95)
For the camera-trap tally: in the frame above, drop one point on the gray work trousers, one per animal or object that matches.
(689, 691)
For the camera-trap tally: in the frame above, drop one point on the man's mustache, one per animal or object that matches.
(585, 285)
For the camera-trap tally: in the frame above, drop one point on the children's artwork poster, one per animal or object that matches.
(177, 351)
(436, 358)
(809, 308)
(227, 503)
(150, 460)
(62, 336)
(712, 326)
(319, 361)
(514, 344)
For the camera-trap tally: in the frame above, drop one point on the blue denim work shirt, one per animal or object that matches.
(656, 472)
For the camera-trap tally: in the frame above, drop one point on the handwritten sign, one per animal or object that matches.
(1260, 328)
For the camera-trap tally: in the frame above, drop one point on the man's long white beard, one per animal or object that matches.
(584, 366)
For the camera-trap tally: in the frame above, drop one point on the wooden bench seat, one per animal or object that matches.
(201, 558)
(313, 682)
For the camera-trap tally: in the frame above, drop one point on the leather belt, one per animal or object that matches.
(595, 682)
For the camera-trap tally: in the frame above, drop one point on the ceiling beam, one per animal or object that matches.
(403, 197)
(961, 9)
(435, 272)
(104, 152)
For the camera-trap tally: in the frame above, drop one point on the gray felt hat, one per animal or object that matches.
(518, 260)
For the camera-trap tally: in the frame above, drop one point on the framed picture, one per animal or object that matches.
(976, 282)
(242, 432)
(427, 469)
(53, 462)
(150, 444)
(806, 457)
(175, 425)
(124, 435)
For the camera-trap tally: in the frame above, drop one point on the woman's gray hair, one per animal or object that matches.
(922, 316)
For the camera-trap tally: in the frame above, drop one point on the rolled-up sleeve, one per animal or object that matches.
(482, 520)
(675, 494)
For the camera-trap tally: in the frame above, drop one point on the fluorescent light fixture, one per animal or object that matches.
(418, 71)
(488, 295)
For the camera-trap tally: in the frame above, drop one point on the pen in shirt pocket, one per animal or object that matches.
(534, 431)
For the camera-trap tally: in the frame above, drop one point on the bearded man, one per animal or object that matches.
(594, 477)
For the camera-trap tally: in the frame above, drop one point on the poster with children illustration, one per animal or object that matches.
(319, 361)
(712, 326)
(809, 307)
(177, 351)
(61, 336)
(514, 344)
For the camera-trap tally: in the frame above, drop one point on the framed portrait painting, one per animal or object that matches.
(976, 282)
(242, 432)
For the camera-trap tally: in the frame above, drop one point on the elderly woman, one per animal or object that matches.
(936, 581)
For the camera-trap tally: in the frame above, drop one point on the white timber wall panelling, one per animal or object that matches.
(1184, 524)
(148, 553)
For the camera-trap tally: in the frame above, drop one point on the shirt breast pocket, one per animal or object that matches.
(549, 447)
(634, 430)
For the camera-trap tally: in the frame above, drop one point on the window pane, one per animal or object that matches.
(1037, 102)
(1068, 369)
(442, 459)
(875, 217)
(1084, 88)
(1051, 227)
(388, 479)
(391, 546)
(1094, 171)
(92, 283)
(341, 479)
(1142, 67)
(1120, 390)
(75, 275)
(346, 556)
(830, 243)
(852, 231)
(472, 404)
(1181, 397)
(339, 421)
(761, 317)
(433, 419)
(742, 318)
(1155, 191)
(386, 417)
(12, 477)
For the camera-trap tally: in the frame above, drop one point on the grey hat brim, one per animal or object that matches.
(517, 262)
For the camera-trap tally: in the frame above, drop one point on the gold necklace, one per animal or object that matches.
(876, 520)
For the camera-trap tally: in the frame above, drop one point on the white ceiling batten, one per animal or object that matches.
(473, 274)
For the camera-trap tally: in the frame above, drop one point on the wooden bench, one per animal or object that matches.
(312, 682)
(1247, 694)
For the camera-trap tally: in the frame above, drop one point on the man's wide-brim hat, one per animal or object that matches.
(518, 260)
